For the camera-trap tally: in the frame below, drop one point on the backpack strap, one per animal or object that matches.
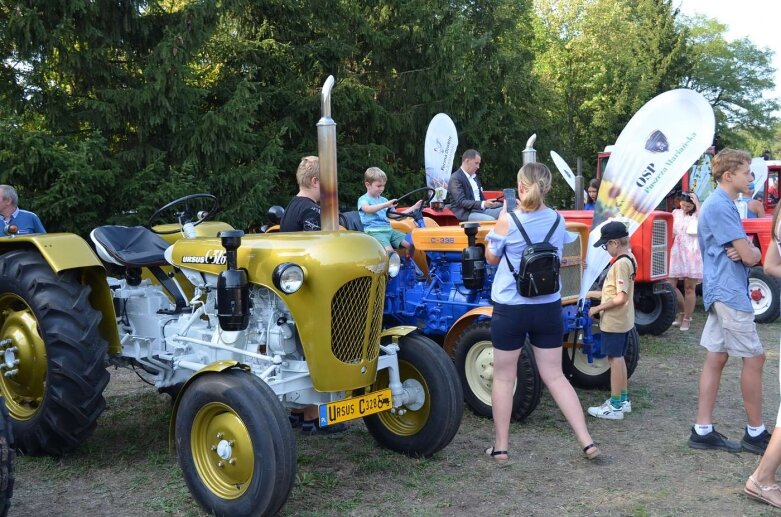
(634, 267)
(526, 236)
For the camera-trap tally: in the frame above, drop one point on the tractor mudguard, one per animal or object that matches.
(401, 330)
(66, 251)
(216, 367)
(461, 324)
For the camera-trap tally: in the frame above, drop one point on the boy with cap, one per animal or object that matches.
(617, 317)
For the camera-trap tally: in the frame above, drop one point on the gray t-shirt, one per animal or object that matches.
(723, 280)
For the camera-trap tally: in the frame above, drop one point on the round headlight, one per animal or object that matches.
(394, 264)
(288, 277)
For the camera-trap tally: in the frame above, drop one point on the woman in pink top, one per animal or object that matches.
(685, 258)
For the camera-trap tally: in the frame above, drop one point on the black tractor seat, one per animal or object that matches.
(129, 246)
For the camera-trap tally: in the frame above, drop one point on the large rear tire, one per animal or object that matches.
(53, 360)
(424, 428)
(763, 291)
(474, 357)
(6, 460)
(596, 374)
(236, 449)
(654, 312)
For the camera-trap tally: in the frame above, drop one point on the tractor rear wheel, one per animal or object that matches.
(235, 445)
(432, 420)
(763, 290)
(596, 374)
(53, 357)
(474, 357)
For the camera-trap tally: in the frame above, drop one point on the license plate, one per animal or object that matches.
(356, 407)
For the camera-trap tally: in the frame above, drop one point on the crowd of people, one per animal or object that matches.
(709, 246)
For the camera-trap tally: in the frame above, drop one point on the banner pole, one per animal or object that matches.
(579, 185)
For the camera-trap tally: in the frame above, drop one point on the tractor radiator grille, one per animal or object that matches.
(373, 347)
(659, 258)
(571, 269)
(349, 326)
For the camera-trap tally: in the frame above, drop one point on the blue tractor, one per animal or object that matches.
(444, 289)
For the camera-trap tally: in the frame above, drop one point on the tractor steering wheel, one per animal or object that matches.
(186, 214)
(415, 214)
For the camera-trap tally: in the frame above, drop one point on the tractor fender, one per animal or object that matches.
(209, 369)
(68, 251)
(398, 331)
(461, 324)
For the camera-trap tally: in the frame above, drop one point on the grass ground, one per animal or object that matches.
(646, 467)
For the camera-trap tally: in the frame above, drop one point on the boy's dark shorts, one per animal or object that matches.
(541, 323)
(613, 344)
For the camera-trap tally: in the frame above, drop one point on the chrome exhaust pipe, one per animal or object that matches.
(530, 153)
(326, 149)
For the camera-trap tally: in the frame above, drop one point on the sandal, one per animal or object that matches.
(678, 320)
(770, 494)
(494, 453)
(594, 451)
(686, 324)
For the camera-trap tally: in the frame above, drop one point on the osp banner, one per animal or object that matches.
(439, 151)
(656, 147)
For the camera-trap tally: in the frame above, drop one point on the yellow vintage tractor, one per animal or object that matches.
(238, 328)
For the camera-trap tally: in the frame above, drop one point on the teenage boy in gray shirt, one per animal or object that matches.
(727, 256)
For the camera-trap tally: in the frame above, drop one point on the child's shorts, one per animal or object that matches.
(613, 344)
(389, 237)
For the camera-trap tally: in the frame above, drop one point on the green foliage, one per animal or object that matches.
(733, 77)
(109, 110)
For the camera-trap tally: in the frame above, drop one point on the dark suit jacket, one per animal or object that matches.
(462, 198)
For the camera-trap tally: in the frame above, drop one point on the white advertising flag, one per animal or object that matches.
(439, 152)
(565, 171)
(700, 178)
(759, 168)
(652, 153)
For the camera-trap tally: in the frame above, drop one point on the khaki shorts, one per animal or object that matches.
(731, 331)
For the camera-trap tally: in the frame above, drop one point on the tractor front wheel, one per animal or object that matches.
(235, 446)
(52, 357)
(432, 419)
(474, 357)
(655, 308)
(596, 374)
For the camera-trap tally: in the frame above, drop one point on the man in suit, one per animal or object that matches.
(466, 193)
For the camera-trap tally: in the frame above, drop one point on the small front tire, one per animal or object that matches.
(424, 430)
(475, 363)
(236, 449)
(596, 374)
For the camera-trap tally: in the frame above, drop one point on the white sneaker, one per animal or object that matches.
(626, 406)
(607, 411)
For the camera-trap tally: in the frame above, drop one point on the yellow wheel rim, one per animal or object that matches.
(222, 450)
(412, 421)
(22, 358)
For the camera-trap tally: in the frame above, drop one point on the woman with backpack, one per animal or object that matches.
(527, 303)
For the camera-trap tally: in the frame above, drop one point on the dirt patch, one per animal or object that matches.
(646, 467)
